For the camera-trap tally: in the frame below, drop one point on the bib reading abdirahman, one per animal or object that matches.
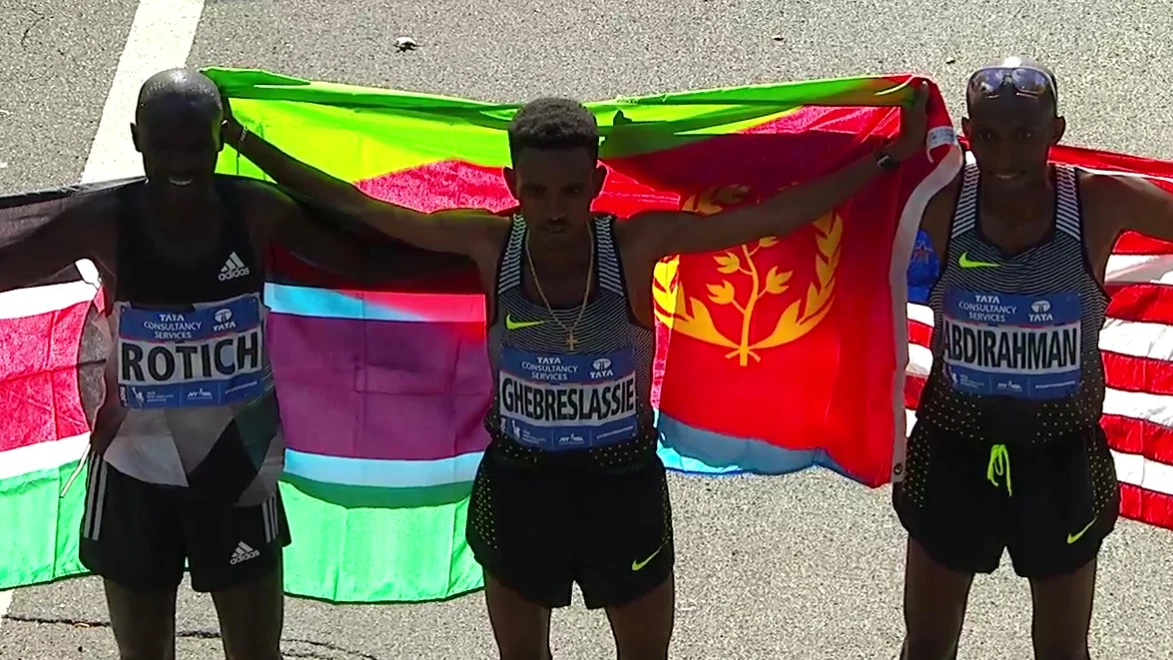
(210, 356)
(1025, 347)
(563, 402)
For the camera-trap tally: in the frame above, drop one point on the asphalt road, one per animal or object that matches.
(806, 566)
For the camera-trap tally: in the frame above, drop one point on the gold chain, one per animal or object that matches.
(570, 341)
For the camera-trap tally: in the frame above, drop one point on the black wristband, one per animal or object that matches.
(886, 162)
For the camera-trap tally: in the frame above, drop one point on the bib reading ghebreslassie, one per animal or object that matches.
(562, 402)
(211, 356)
(1026, 347)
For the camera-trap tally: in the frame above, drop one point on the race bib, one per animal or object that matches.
(211, 356)
(565, 402)
(1026, 347)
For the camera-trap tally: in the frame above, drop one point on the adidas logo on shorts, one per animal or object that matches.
(243, 553)
(233, 268)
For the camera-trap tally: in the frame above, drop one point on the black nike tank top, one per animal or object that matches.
(1015, 342)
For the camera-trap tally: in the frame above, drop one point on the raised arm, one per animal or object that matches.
(280, 219)
(457, 231)
(77, 233)
(663, 233)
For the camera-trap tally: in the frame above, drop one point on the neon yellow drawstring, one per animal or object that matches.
(999, 467)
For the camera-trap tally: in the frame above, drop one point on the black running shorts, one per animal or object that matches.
(139, 535)
(1051, 504)
(537, 530)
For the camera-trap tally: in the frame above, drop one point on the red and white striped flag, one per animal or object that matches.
(1137, 344)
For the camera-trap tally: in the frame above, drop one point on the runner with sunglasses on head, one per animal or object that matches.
(1008, 451)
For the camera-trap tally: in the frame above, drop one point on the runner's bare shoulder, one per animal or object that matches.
(91, 225)
(1111, 203)
(263, 204)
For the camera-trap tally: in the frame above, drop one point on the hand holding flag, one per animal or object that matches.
(914, 126)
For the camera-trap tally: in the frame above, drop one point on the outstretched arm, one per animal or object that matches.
(295, 227)
(663, 233)
(1139, 205)
(67, 238)
(456, 231)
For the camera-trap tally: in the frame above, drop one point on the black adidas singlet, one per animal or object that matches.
(189, 368)
(592, 400)
(1016, 337)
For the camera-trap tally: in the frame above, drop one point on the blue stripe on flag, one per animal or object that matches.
(327, 303)
(381, 473)
(687, 449)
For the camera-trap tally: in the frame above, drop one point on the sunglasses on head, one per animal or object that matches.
(1026, 81)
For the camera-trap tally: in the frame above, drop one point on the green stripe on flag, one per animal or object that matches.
(357, 497)
(41, 553)
(370, 555)
(356, 133)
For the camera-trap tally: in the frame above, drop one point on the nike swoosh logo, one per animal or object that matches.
(965, 262)
(637, 565)
(1072, 538)
(510, 324)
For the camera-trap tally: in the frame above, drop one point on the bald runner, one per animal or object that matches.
(187, 444)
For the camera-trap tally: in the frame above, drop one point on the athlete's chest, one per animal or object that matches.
(1053, 266)
(1012, 326)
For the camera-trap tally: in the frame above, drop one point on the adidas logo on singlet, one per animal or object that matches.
(242, 553)
(233, 268)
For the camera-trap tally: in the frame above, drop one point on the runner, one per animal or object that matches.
(187, 449)
(571, 489)
(1008, 451)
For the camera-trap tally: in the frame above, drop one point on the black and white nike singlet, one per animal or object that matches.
(189, 371)
(548, 398)
(1016, 338)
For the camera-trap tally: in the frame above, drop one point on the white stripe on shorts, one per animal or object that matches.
(95, 500)
(269, 514)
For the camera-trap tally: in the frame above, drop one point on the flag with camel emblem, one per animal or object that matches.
(772, 357)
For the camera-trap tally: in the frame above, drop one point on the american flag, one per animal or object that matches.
(1137, 345)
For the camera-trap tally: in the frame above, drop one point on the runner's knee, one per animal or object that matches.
(251, 617)
(934, 606)
(143, 621)
(1062, 614)
(520, 627)
(643, 628)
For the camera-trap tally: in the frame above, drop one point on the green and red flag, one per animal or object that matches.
(773, 357)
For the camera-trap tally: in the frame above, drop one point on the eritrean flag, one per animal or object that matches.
(774, 356)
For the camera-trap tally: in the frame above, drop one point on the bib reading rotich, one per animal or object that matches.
(210, 356)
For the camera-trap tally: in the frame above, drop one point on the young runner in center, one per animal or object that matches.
(570, 488)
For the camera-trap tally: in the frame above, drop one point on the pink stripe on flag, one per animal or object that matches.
(350, 388)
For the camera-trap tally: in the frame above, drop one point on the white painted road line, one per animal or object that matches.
(160, 38)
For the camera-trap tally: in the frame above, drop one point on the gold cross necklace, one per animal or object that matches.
(570, 340)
